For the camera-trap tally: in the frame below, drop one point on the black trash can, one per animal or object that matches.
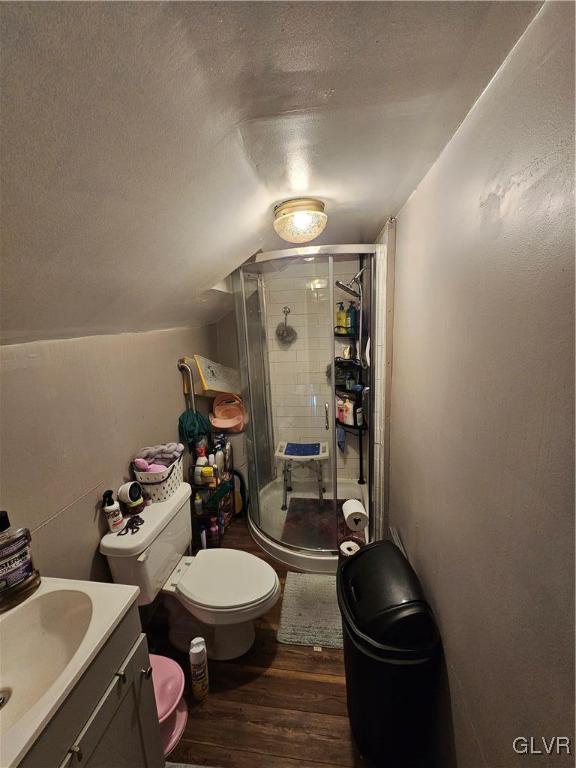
(391, 655)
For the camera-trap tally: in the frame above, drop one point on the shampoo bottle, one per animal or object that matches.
(199, 668)
(351, 319)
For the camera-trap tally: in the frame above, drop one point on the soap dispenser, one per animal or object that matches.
(18, 577)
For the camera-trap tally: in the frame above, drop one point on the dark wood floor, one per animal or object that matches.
(278, 706)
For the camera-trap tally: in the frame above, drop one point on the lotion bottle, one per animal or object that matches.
(111, 509)
(199, 668)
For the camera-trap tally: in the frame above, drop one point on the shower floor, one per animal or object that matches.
(273, 517)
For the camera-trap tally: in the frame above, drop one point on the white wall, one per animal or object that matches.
(73, 413)
(482, 443)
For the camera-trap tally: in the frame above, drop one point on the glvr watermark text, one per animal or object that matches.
(532, 745)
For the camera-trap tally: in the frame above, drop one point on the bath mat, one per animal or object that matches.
(183, 765)
(310, 613)
(313, 525)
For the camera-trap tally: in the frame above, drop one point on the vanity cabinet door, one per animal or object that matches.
(123, 730)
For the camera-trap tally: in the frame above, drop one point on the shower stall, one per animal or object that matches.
(308, 381)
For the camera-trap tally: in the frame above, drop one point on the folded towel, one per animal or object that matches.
(165, 454)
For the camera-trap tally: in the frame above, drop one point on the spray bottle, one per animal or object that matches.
(199, 668)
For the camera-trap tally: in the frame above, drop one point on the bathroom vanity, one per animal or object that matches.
(76, 680)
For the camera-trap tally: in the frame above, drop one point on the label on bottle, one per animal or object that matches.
(199, 674)
(15, 561)
(115, 519)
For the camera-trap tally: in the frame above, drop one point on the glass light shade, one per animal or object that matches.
(300, 220)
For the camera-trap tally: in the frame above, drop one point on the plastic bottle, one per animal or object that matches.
(201, 462)
(199, 668)
(18, 577)
(348, 413)
(341, 319)
(203, 541)
(198, 506)
(111, 509)
(351, 319)
(219, 459)
(214, 533)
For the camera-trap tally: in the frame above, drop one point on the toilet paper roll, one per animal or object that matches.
(355, 515)
(349, 547)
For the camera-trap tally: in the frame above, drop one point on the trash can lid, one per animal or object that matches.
(382, 603)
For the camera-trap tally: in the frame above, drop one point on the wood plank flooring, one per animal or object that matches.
(278, 706)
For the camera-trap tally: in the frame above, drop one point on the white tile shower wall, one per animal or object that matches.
(299, 385)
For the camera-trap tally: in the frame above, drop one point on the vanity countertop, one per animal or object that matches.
(47, 643)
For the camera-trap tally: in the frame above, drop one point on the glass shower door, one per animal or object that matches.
(288, 325)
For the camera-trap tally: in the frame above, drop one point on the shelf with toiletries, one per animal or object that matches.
(353, 394)
(346, 321)
(347, 362)
(211, 476)
(349, 411)
(345, 333)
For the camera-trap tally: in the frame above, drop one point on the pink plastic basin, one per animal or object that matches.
(168, 681)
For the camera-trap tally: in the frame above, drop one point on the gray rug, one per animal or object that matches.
(183, 765)
(310, 614)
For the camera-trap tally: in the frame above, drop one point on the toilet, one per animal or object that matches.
(217, 594)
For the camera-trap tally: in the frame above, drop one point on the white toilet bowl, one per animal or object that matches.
(219, 594)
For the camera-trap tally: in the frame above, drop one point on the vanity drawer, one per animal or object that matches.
(51, 747)
(123, 729)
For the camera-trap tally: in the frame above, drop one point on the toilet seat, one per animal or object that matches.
(227, 580)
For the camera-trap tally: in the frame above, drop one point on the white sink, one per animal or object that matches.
(46, 643)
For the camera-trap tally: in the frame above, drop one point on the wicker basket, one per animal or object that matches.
(159, 486)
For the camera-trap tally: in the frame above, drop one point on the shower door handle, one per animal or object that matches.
(327, 415)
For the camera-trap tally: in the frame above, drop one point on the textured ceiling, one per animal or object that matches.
(145, 144)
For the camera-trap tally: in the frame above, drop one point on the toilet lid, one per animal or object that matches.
(226, 578)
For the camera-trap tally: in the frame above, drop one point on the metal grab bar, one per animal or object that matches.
(188, 383)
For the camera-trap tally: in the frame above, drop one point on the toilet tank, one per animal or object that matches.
(146, 558)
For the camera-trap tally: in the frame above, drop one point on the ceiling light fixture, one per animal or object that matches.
(300, 220)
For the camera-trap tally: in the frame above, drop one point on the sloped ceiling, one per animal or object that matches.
(145, 144)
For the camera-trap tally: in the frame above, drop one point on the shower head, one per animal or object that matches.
(348, 288)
